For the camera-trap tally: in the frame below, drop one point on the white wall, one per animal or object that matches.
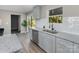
(45, 10)
(69, 12)
(23, 17)
(5, 16)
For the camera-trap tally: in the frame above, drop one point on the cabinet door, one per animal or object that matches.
(41, 40)
(64, 46)
(36, 12)
(47, 42)
(76, 48)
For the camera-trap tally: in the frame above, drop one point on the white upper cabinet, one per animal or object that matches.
(64, 46)
(37, 12)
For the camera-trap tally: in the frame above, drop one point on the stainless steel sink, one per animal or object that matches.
(51, 31)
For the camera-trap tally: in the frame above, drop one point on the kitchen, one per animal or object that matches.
(53, 36)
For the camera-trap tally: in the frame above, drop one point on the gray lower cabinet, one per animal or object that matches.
(76, 48)
(64, 46)
(35, 36)
(47, 42)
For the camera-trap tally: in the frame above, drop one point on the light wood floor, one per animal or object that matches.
(28, 45)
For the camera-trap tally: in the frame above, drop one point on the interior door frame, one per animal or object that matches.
(19, 21)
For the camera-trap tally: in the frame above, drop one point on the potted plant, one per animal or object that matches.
(24, 24)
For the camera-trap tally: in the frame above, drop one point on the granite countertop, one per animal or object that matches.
(74, 37)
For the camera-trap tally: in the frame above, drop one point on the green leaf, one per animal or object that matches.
(24, 23)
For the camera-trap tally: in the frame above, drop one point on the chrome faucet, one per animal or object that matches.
(52, 27)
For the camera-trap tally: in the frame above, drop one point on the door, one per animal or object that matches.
(15, 20)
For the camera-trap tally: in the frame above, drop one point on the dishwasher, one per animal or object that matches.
(35, 36)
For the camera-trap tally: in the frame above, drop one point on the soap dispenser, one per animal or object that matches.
(43, 27)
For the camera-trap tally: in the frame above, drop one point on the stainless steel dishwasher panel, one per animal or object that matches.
(35, 36)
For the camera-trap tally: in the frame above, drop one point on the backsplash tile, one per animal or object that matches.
(69, 24)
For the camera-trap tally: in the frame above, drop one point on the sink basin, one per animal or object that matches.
(51, 31)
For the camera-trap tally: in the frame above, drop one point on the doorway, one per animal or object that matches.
(15, 23)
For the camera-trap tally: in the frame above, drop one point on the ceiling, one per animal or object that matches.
(17, 8)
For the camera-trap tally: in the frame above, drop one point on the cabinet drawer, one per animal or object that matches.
(64, 46)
